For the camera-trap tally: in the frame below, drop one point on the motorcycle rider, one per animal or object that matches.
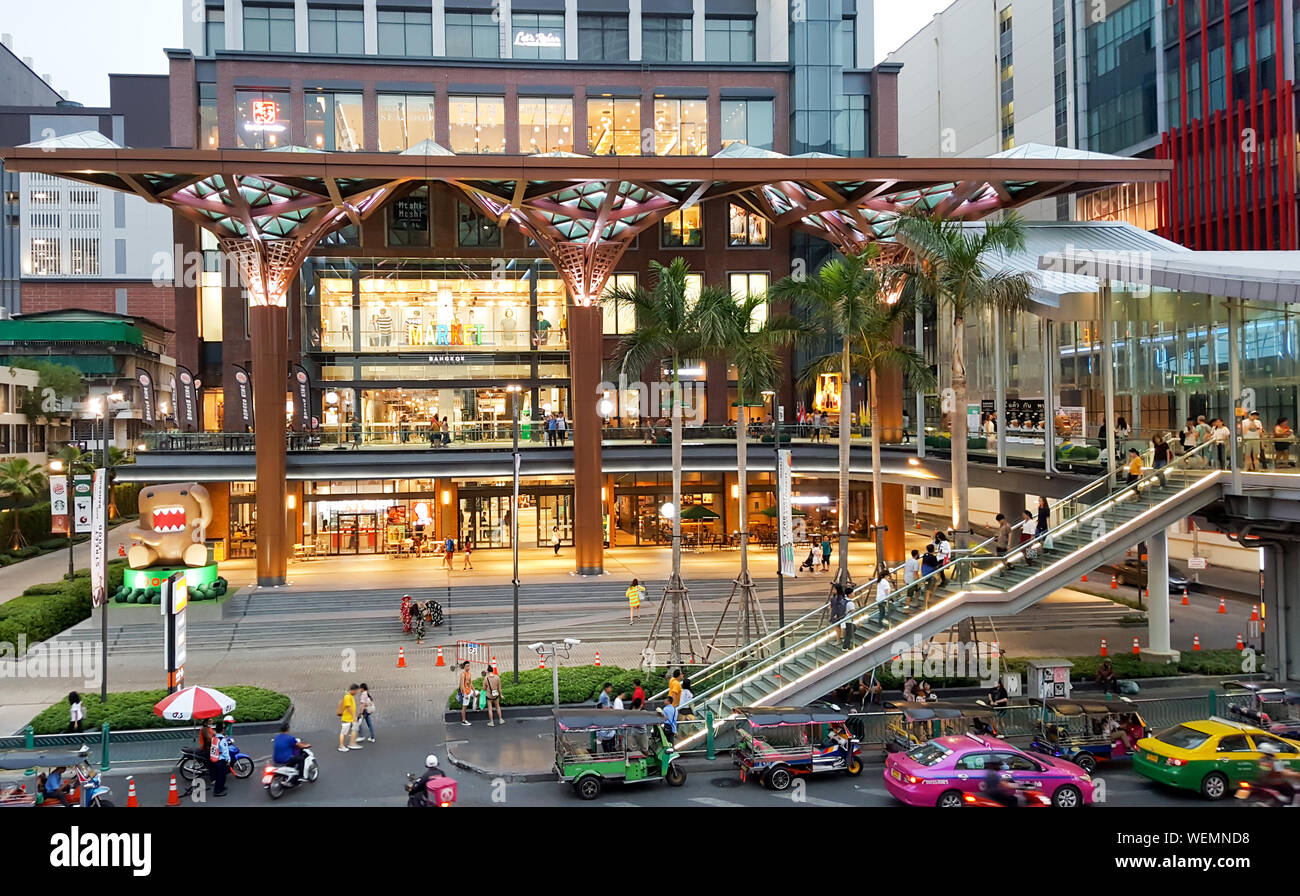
(999, 789)
(288, 750)
(1276, 777)
(419, 789)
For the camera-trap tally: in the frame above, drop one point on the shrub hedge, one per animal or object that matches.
(126, 710)
(33, 522)
(578, 684)
(42, 611)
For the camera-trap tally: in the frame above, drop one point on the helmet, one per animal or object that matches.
(1268, 749)
(229, 720)
(430, 761)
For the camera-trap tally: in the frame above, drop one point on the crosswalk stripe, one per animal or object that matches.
(810, 800)
(620, 805)
(714, 801)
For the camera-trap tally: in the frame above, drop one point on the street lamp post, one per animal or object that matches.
(776, 470)
(514, 520)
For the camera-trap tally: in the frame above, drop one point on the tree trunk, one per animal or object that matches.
(842, 574)
(877, 487)
(960, 484)
(675, 583)
(742, 494)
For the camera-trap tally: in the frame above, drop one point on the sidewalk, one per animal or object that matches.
(51, 567)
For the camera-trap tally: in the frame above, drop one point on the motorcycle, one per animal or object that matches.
(439, 791)
(279, 778)
(1261, 795)
(93, 793)
(194, 763)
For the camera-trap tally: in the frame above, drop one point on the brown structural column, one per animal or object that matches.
(270, 356)
(584, 382)
(892, 497)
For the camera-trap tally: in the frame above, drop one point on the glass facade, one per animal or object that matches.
(728, 39)
(681, 127)
(747, 228)
(473, 231)
(262, 119)
(332, 30)
(683, 229)
(405, 32)
(268, 29)
(545, 124)
(816, 78)
(214, 31)
(537, 36)
(602, 37)
(405, 119)
(334, 121)
(666, 38)
(1006, 78)
(473, 35)
(1119, 71)
(209, 135)
(614, 126)
(749, 121)
(478, 124)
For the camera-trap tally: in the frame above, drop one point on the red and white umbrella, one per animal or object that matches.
(194, 703)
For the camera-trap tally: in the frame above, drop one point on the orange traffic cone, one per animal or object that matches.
(441, 661)
(401, 657)
(1254, 612)
(1146, 592)
(1085, 578)
(541, 661)
(1103, 647)
(131, 801)
(494, 664)
(1240, 644)
(1114, 582)
(1196, 642)
(1223, 608)
(1136, 649)
(1186, 602)
(173, 798)
(597, 657)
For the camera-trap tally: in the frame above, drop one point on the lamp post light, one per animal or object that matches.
(776, 470)
(513, 389)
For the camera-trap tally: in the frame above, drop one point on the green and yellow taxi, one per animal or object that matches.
(1211, 756)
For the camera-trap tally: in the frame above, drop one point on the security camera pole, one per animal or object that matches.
(553, 654)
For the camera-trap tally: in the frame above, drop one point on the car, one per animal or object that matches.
(1134, 572)
(942, 771)
(1211, 756)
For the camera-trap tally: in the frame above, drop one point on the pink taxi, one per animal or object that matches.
(941, 771)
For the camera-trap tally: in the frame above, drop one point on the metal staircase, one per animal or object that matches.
(1094, 526)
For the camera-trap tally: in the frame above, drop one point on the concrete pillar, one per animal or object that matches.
(1158, 649)
(584, 383)
(270, 357)
(219, 527)
(1281, 611)
(1108, 372)
(892, 500)
(1012, 505)
(999, 391)
(448, 511)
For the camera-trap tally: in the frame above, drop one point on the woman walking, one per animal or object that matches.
(469, 549)
(1282, 439)
(76, 712)
(1159, 455)
(1044, 518)
(366, 705)
(555, 538)
(492, 694)
(635, 594)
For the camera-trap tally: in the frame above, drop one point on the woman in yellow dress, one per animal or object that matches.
(635, 592)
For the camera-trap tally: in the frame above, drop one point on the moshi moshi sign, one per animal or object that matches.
(102, 850)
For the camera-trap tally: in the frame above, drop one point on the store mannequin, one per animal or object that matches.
(383, 324)
(508, 327)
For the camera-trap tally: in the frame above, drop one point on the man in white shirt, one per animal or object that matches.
(912, 568)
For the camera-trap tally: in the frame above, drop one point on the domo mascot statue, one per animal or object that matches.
(173, 523)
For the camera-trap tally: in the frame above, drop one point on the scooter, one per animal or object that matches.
(1257, 794)
(193, 763)
(440, 791)
(279, 778)
(93, 793)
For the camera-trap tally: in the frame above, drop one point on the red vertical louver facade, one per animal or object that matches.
(1233, 184)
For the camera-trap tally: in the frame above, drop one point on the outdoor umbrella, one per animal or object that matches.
(698, 513)
(194, 703)
(771, 511)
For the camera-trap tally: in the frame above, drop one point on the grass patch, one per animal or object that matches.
(127, 710)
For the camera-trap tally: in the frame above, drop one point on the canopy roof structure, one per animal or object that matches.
(271, 207)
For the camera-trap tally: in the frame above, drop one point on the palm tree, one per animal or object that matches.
(21, 482)
(754, 347)
(950, 267)
(850, 299)
(670, 327)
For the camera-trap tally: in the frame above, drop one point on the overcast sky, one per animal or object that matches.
(78, 42)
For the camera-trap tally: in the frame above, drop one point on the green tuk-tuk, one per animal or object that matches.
(596, 746)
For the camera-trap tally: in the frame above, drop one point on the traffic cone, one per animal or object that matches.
(1146, 592)
(1103, 647)
(173, 798)
(1114, 582)
(494, 664)
(401, 657)
(1136, 649)
(1084, 579)
(1186, 602)
(131, 801)
(1223, 608)
(1254, 612)
(541, 661)
(1240, 644)
(597, 657)
(441, 661)
(1196, 642)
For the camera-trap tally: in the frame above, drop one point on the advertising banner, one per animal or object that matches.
(244, 385)
(187, 413)
(146, 394)
(98, 542)
(301, 389)
(82, 503)
(59, 505)
(174, 597)
(785, 513)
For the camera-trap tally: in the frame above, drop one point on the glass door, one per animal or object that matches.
(485, 521)
(554, 511)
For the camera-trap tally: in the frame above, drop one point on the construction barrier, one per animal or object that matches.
(474, 653)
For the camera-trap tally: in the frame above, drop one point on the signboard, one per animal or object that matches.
(244, 385)
(174, 597)
(827, 396)
(1197, 563)
(542, 40)
(98, 542)
(973, 419)
(785, 513)
(1189, 379)
(82, 504)
(186, 409)
(301, 398)
(146, 394)
(411, 213)
(59, 505)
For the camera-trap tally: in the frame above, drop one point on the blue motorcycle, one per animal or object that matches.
(194, 762)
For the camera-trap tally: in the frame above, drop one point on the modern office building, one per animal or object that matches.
(1127, 77)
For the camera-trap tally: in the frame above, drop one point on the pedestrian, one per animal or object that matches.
(469, 549)
(366, 705)
(1002, 540)
(606, 737)
(492, 689)
(1221, 436)
(347, 713)
(555, 538)
(1027, 537)
(448, 553)
(912, 568)
(837, 606)
(435, 438)
(550, 431)
(930, 565)
(561, 427)
(849, 609)
(826, 552)
(1282, 439)
(669, 712)
(605, 699)
(1134, 465)
(219, 754)
(884, 588)
(635, 593)
(76, 712)
(1252, 440)
(638, 693)
(466, 691)
(1189, 437)
(942, 549)
(618, 700)
(675, 687)
(1044, 518)
(1159, 455)
(684, 704)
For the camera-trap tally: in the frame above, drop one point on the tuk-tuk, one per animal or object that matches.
(596, 746)
(1267, 706)
(916, 723)
(30, 790)
(775, 743)
(1085, 732)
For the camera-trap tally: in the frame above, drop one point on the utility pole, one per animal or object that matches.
(514, 521)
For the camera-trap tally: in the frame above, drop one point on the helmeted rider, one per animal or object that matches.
(1275, 776)
(420, 788)
(288, 750)
(999, 789)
